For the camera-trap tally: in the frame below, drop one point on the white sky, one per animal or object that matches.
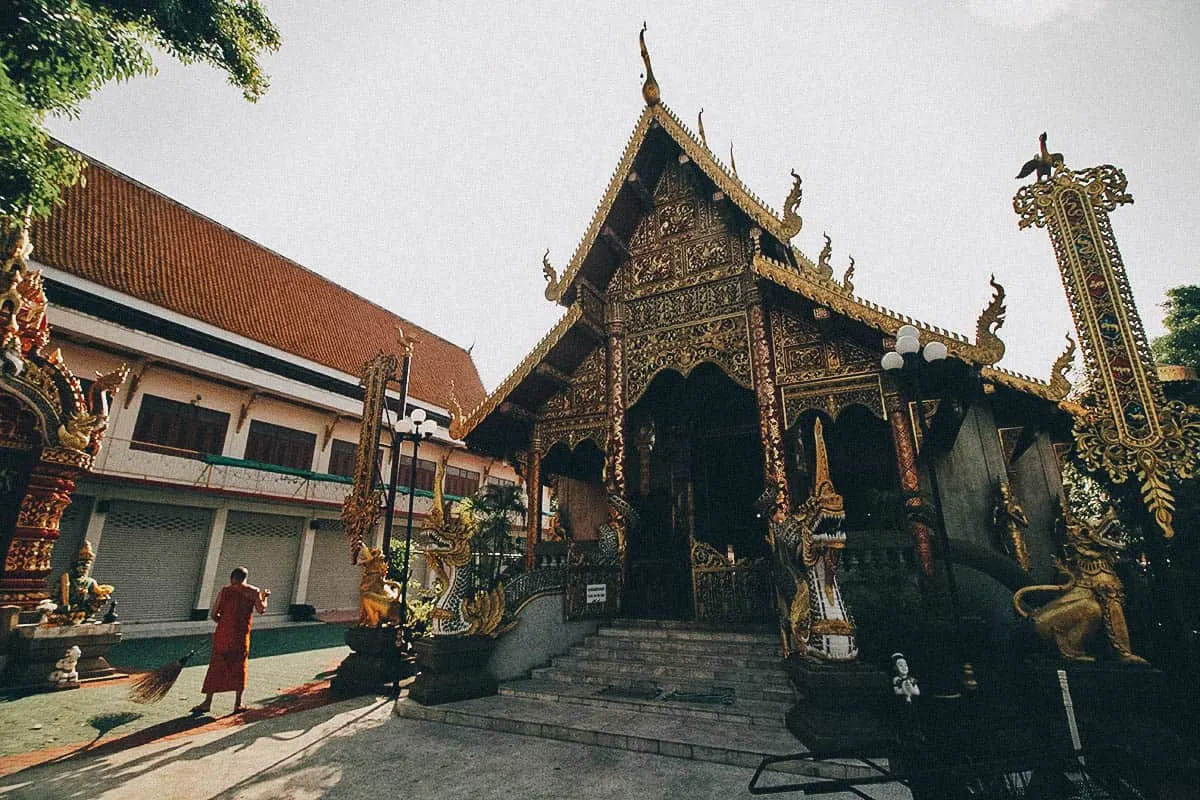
(425, 154)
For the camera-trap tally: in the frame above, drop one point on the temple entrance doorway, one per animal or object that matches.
(694, 470)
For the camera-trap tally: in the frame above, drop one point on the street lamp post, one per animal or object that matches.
(904, 364)
(415, 428)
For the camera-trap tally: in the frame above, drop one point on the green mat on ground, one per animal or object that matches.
(143, 654)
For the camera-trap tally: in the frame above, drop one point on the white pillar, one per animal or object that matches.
(300, 595)
(212, 558)
(95, 525)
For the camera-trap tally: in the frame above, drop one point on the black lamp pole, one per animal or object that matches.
(412, 493)
(904, 364)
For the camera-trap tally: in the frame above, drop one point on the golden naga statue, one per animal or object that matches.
(455, 611)
(378, 596)
(807, 546)
(1011, 521)
(1092, 594)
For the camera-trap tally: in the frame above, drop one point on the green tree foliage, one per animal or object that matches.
(1181, 343)
(494, 508)
(55, 53)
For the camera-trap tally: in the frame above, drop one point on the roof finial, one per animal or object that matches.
(732, 163)
(650, 91)
(700, 124)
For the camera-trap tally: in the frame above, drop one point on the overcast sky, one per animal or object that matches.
(425, 155)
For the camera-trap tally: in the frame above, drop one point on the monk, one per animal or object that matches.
(233, 611)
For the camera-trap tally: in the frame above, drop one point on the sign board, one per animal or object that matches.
(597, 592)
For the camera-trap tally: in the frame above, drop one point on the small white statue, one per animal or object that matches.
(65, 675)
(903, 683)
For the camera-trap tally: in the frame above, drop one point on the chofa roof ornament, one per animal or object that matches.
(650, 92)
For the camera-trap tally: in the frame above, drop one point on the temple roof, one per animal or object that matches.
(120, 234)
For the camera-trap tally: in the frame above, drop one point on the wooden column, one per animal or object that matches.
(614, 467)
(910, 481)
(533, 487)
(27, 558)
(770, 411)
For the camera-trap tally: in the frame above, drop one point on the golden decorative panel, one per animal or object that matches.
(29, 555)
(832, 396)
(685, 240)
(803, 354)
(578, 411)
(722, 341)
(708, 300)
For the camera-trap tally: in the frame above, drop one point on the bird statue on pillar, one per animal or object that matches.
(1043, 163)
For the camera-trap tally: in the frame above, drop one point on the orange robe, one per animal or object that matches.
(234, 611)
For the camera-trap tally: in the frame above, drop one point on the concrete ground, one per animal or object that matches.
(297, 742)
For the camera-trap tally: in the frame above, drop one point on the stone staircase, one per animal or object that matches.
(652, 686)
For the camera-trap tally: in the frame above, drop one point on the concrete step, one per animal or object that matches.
(717, 741)
(772, 677)
(768, 713)
(672, 624)
(674, 646)
(707, 658)
(742, 689)
(687, 635)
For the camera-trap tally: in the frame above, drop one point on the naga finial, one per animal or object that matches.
(848, 278)
(700, 125)
(458, 420)
(823, 487)
(792, 223)
(650, 91)
(551, 276)
(989, 322)
(1060, 386)
(823, 265)
(732, 163)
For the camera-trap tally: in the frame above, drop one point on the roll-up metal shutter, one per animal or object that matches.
(71, 529)
(154, 556)
(332, 579)
(268, 545)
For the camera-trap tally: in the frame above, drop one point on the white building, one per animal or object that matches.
(232, 438)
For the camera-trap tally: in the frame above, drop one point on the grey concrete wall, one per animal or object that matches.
(967, 475)
(1037, 486)
(541, 633)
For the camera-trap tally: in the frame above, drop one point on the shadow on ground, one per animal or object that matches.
(138, 655)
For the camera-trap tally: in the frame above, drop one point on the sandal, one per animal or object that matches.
(201, 709)
(240, 709)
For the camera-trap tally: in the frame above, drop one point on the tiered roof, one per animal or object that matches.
(120, 234)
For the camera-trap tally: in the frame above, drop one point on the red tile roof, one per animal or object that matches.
(115, 232)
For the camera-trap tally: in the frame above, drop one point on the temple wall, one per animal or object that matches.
(967, 475)
(541, 634)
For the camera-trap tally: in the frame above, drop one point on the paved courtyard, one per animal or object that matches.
(297, 742)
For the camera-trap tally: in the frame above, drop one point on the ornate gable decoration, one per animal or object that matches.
(577, 411)
(685, 302)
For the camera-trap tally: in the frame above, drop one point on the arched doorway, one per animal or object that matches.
(694, 469)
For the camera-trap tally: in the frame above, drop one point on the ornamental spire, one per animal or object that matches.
(650, 90)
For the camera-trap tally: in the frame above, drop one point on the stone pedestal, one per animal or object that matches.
(452, 668)
(33, 651)
(376, 664)
(842, 706)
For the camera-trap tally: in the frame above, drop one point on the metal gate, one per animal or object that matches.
(332, 579)
(268, 545)
(71, 530)
(154, 555)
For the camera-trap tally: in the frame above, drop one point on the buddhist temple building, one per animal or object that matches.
(696, 349)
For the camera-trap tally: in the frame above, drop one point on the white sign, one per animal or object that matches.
(597, 592)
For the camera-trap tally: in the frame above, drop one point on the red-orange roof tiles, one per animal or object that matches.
(115, 232)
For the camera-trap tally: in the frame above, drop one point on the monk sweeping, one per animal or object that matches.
(233, 611)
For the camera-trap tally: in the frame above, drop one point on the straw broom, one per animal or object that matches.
(153, 686)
